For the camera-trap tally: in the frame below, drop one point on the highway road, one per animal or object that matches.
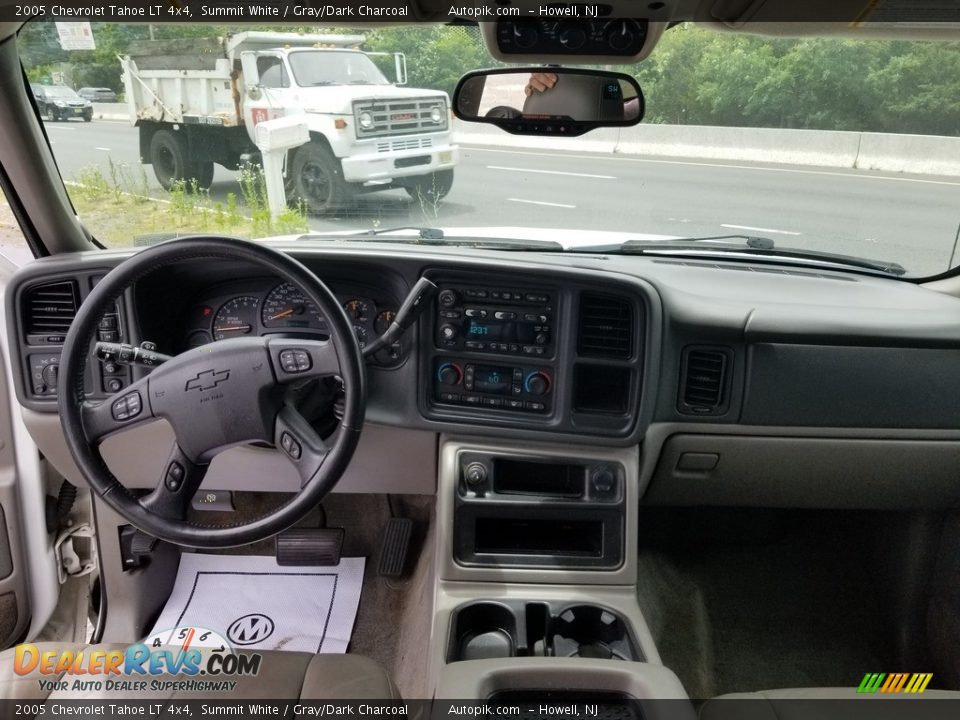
(913, 220)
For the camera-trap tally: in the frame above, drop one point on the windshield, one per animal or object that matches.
(837, 147)
(317, 67)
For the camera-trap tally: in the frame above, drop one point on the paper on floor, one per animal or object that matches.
(257, 605)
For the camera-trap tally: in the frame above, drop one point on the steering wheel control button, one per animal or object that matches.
(113, 385)
(174, 479)
(295, 361)
(290, 446)
(127, 407)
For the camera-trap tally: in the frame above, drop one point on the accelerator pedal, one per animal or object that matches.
(313, 547)
(396, 547)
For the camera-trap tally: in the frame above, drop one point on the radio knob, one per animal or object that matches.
(448, 332)
(541, 339)
(449, 374)
(447, 298)
(537, 383)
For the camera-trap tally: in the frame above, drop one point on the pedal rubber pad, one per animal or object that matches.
(313, 547)
(396, 546)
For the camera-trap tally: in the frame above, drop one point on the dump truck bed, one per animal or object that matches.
(198, 80)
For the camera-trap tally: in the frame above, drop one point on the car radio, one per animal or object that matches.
(512, 321)
(519, 387)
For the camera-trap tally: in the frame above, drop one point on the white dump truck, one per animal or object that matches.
(197, 102)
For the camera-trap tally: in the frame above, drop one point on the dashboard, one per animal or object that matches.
(731, 378)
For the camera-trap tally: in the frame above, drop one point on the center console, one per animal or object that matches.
(514, 324)
(507, 351)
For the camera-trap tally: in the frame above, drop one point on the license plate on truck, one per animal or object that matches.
(446, 156)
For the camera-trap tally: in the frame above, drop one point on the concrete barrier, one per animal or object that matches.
(111, 111)
(789, 147)
(921, 154)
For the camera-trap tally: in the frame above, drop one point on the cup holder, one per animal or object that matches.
(588, 631)
(484, 630)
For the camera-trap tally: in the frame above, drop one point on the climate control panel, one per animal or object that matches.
(525, 388)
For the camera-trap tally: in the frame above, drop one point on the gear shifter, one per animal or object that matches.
(415, 303)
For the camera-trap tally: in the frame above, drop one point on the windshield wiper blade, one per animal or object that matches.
(641, 247)
(435, 236)
(426, 233)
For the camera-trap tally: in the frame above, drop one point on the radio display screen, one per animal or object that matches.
(500, 331)
(492, 379)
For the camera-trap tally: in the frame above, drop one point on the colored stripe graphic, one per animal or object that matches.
(893, 683)
(871, 682)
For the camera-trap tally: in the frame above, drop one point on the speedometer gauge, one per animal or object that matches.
(287, 307)
(236, 317)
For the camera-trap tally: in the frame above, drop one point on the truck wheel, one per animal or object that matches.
(202, 173)
(432, 187)
(168, 153)
(317, 180)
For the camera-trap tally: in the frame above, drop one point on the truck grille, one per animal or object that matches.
(400, 117)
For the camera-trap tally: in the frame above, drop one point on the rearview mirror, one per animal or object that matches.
(548, 100)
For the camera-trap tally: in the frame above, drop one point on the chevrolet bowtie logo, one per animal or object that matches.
(207, 380)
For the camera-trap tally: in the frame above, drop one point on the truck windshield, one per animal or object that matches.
(320, 67)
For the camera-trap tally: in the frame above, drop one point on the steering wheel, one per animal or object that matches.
(216, 396)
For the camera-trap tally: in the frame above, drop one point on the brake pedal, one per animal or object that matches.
(314, 547)
(396, 547)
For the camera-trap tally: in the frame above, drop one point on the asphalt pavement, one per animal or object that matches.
(913, 220)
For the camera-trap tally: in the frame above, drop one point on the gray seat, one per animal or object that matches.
(283, 675)
(831, 704)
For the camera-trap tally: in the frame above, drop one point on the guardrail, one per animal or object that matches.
(919, 154)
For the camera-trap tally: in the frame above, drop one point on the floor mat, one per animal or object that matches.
(800, 611)
(257, 605)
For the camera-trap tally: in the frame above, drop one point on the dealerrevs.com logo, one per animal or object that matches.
(189, 659)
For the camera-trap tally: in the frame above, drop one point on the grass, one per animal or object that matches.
(117, 208)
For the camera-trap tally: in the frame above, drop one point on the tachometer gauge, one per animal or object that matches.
(384, 320)
(236, 317)
(287, 307)
(357, 310)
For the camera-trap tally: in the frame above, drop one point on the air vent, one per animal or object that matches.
(703, 385)
(49, 309)
(606, 327)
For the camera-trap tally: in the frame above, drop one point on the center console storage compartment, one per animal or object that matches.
(537, 512)
(503, 629)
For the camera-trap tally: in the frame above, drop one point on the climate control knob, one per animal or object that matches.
(536, 383)
(449, 374)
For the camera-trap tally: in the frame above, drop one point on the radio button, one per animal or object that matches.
(450, 314)
(535, 406)
(449, 397)
(505, 315)
(448, 332)
(493, 402)
(537, 298)
(515, 404)
(471, 399)
(475, 312)
(447, 298)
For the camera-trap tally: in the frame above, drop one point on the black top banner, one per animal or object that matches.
(918, 13)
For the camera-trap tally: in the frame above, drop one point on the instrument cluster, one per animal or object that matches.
(265, 308)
